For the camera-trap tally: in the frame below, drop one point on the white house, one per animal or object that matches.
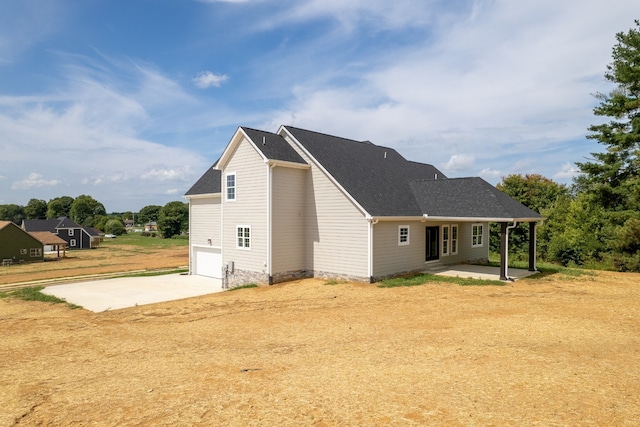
(299, 203)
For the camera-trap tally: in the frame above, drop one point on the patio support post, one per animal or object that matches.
(532, 246)
(503, 251)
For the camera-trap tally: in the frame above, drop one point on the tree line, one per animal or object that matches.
(171, 219)
(596, 221)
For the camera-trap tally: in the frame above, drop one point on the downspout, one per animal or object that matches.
(269, 222)
(506, 250)
(372, 221)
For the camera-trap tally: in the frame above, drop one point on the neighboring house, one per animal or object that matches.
(151, 226)
(16, 245)
(300, 204)
(76, 236)
(128, 223)
(51, 242)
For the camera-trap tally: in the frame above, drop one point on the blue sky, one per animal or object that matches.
(130, 101)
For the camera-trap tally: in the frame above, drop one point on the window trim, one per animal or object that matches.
(445, 239)
(70, 232)
(407, 240)
(475, 237)
(246, 246)
(454, 239)
(234, 187)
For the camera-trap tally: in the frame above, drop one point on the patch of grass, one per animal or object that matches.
(34, 293)
(247, 286)
(545, 268)
(156, 273)
(421, 279)
(135, 239)
(334, 282)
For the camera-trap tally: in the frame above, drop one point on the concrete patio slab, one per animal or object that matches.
(112, 294)
(482, 272)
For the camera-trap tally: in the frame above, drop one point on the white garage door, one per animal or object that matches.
(208, 262)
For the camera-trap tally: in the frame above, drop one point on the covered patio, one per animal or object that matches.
(486, 272)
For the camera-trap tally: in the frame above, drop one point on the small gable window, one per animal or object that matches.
(403, 235)
(71, 232)
(477, 235)
(231, 186)
(243, 235)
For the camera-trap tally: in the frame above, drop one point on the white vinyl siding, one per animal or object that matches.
(288, 219)
(391, 258)
(204, 221)
(336, 230)
(250, 208)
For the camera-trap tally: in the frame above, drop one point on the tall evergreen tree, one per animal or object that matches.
(611, 178)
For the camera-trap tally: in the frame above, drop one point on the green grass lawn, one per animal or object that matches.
(136, 239)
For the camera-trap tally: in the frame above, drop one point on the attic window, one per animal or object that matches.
(231, 186)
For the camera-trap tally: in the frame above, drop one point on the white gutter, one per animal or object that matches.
(478, 219)
(371, 222)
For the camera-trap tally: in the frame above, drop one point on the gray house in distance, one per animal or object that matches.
(298, 203)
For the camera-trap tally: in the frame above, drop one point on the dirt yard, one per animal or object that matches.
(548, 351)
(106, 259)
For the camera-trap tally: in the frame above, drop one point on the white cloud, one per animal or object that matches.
(459, 162)
(163, 173)
(567, 171)
(490, 175)
(206, 79)
(34, 180)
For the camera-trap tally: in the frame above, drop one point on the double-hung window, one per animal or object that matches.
(70, 232)
(403, 235)
(449, 239)
(231, 186)
(243, 237)
(477, 235)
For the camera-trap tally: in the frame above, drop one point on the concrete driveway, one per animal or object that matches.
(112, 294)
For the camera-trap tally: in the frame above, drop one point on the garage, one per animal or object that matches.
(208, 261)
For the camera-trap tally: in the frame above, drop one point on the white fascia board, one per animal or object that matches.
(202, 196)
(324, 171)
(395, 218)
(478, 219)
(285, 164)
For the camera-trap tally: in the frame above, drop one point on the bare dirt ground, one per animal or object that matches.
(106, 259)
(548, 351)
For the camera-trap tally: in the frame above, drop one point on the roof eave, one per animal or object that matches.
(202, 196)
(287, 164)
(481, 219)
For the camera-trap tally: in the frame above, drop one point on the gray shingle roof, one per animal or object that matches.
(49, 224)
(273, 146)
(207, 184)
(467, 197)
(376, 177)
